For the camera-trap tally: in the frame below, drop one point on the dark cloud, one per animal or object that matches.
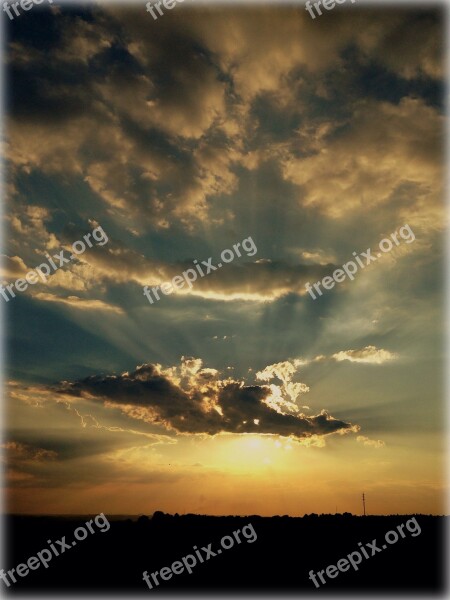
(156, 118)
(198, 402)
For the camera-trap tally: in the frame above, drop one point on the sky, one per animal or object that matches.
(170, 140)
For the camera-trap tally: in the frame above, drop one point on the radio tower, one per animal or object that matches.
(364, 504)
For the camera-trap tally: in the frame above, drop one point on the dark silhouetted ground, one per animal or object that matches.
(278, 562)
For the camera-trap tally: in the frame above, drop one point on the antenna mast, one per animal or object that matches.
(364, 503)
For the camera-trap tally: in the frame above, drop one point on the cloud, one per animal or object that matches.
(353, 166)
(191, 399)
(172, 119)
(142, 110)
(368, 355)
(31, 222)
(12, 267)
(368, 442)
(40, 397)
(283, 371)
(25, 462)
(18, 451)
(79, 303)
(33, 395)
(261, 280)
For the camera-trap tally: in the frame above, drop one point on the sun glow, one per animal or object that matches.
(238, 453)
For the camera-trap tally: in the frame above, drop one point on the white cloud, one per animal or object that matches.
(81, 303)
(368, 355)
(368, 442)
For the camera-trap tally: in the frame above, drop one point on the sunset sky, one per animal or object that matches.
(180, 137)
